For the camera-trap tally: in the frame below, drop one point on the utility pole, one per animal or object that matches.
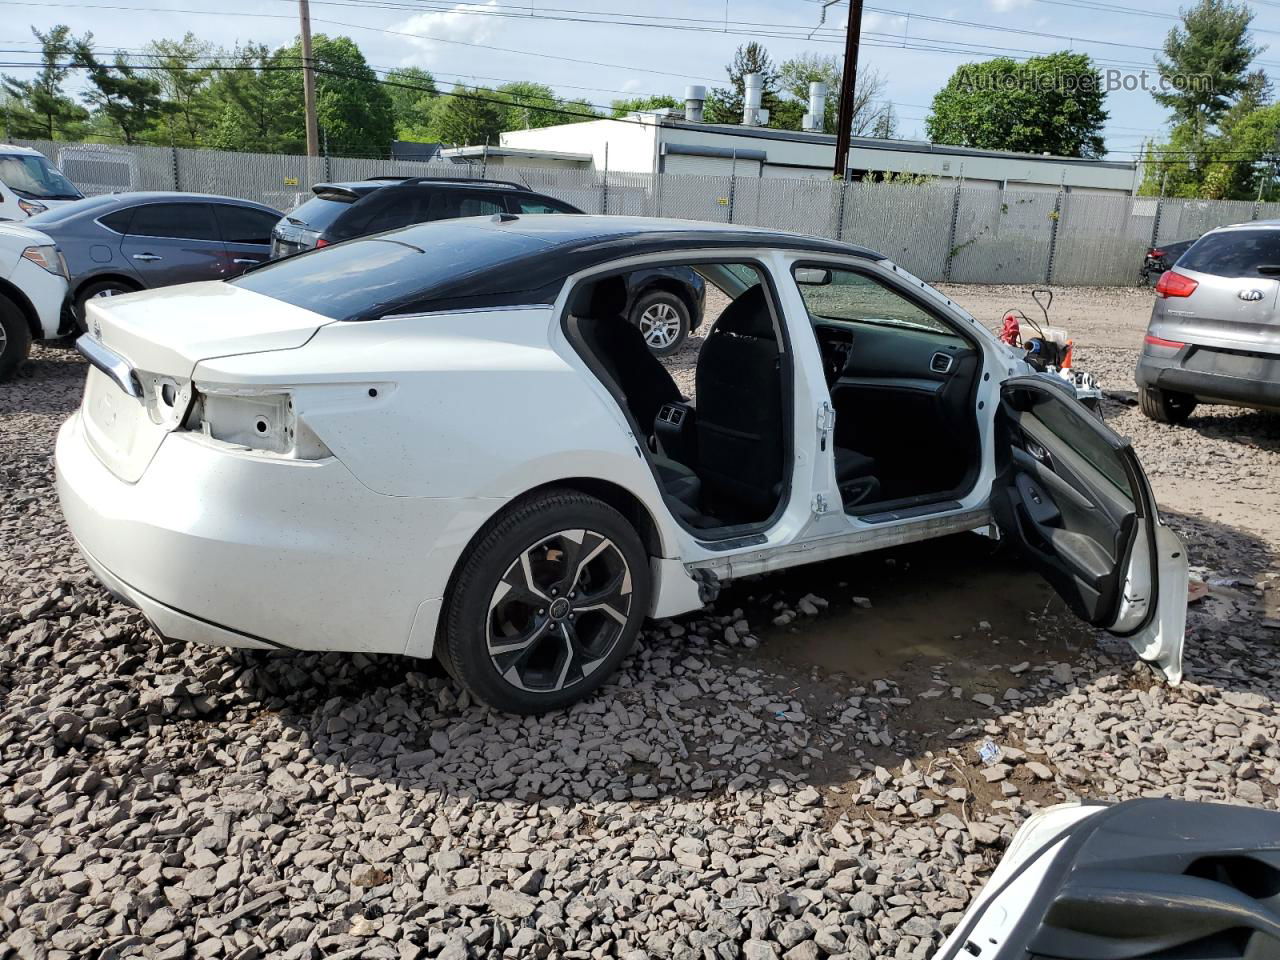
(848, 82)
(308, 80)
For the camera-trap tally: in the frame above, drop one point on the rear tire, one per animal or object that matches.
(663, 318)
(547, 604)
(1165, 406)
(15, 338)
(102, 288)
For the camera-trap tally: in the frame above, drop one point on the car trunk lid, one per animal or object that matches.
(144, 347)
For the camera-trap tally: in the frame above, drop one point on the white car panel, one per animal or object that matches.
(169, 331)
(45, 291)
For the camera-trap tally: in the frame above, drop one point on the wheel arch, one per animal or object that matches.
(19, 299)
(119, 277)
(621, 499)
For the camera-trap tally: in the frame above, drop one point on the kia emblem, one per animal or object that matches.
(1250, 295)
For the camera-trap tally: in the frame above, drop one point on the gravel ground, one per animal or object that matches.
(793, 773)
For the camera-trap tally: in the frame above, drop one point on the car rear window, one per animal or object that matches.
(366, 279)
(1233, 253)
(318, 213)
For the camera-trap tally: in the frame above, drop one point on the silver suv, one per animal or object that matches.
(1214, 335)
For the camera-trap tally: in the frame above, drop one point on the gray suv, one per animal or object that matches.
(1214, 335)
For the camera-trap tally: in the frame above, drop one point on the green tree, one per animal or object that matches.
(249, 118)
(39, 108)
(263, 108)
(1206, 62)
(529, 105)
(620, 108)
(413, 92)
(1049, 104)
(129, 100)
(885, 126)
(794, 77)
(185, 88)
(724, 104)
(468, 117)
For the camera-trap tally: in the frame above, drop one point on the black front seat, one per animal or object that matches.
(598, 313)
(740, 408)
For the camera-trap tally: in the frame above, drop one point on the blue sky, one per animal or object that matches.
(604, 49)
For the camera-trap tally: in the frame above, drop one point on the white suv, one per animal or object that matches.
(30, 184)
(450, 441)
(33, 287)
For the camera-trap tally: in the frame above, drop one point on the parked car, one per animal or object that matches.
(666, 304)
(1141, 880)
(33, 286)
(450, 441)
(134, 241)
(1160, 258)
(30, 184)
(1214, 334)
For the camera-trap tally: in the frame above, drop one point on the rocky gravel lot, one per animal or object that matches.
(793, 773)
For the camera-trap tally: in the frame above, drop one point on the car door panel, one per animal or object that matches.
(246, 236)
(172, 243)
(1071, 496)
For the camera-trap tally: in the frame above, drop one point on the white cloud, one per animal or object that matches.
(466, 22)
(1003, 6)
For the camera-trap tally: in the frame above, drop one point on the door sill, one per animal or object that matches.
(907, 513)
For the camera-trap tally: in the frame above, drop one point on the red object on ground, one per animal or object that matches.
(1011, 333)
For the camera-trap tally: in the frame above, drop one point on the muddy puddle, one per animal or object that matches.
(947, 621)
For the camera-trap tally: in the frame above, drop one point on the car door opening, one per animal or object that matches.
(903, 387)
(713, 417)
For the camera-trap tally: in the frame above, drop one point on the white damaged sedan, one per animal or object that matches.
(449, 441)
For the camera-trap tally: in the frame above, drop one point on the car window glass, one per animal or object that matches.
(1076, 431)
(117, 220)
(836, 295)
(35, 178)
(399, 208)
(533, 205)
(459, 203)
(1233, 253)
(318, 212)
(244, 224)
(179, 221)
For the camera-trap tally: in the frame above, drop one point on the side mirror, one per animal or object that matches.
(813, 276)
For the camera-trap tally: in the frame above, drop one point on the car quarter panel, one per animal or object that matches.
(303, 536)
(458, 404)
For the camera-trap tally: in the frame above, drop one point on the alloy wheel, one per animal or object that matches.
(4, 339)
(558, 611)
(660, 325)
(106, 292)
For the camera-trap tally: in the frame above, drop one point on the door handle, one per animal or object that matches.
(245, 260)
(146, 257)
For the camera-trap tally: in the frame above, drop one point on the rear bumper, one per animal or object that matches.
(231, 549)
(1240, 377)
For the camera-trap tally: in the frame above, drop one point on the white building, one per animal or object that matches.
(665, 143)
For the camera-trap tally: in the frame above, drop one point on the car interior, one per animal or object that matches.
(902, 385)
(722, 461)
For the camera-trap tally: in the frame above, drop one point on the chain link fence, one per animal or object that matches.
(939, 231)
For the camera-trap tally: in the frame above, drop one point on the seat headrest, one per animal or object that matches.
(748, 316)
(603, 298)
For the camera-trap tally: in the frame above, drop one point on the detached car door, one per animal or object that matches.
(1072, 497)
(174, 243)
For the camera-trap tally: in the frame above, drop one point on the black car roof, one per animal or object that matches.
(481, 262)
